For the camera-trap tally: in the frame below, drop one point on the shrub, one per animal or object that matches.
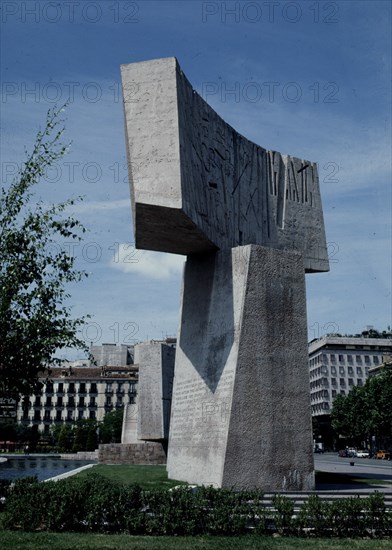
(96, 504)
(313, 518)
(284, 511)
(346, 517)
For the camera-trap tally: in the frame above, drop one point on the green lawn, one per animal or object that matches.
(70, 541)
(148, 477)
(155, 477)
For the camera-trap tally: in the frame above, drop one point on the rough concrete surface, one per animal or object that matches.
(198, 185)
(241, 404)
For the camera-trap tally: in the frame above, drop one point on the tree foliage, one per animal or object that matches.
(35, 269)
(366, 410)
(111, 427)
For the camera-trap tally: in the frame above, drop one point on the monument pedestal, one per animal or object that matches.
(241, 405)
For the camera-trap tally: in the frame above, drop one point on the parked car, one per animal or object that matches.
(363, 454)
(351, 452)
(383, 455)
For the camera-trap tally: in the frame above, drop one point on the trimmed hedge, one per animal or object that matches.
(96, 504)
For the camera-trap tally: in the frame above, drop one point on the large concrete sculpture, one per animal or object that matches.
(250, 221)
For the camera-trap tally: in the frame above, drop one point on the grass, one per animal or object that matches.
(155, 477)
(148, 477)
(70, 541)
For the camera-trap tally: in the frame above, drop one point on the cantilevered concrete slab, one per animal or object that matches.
(198, 185)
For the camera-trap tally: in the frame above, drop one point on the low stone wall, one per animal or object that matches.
(132, 453)
(81, 455)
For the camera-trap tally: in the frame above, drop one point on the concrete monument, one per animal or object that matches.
(148, 418)
(250, 221)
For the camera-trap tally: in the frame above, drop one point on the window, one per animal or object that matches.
(60, 388)
(342, 382)
(325, 358)
(367, 359)
(92, 402)
(358, 359)
(47, 416)
(48, 401)
(342, 392)
(82, 387)
(333, 393)
(81, 401)
(58, 416)
(350, 358)
(120, 387)
(333, 381)
(71, 401)
(108, 401)
(92, 415)
(59, 401)
(333, 370)
(109, 387)
(333, 357)
(359, 382)
(341, 370)
(350, 370)
(71, 387)
(69, 415)
(375, 360)
(49, 387)
(119, 400)
(93, 388)
(37, 402)
(80, 415)
(350, 382)
(366, 370)
(359, 371)
(341, 358)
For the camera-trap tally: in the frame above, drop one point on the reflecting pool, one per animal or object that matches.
(40, 466)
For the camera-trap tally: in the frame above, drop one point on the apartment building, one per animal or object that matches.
(338, 363)
(76, 393)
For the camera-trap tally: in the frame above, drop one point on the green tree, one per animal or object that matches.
(111, 427)
(65, 438)
(35, 269)
(366, 410)
(91, 443)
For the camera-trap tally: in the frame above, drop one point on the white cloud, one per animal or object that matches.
(152, 265)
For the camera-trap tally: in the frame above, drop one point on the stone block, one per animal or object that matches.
(241, 403)
(156, 372)
(198, 185)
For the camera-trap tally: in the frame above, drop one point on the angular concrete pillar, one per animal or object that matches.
(241, 406)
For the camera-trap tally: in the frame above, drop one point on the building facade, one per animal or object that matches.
(338, 363)
(78, 393)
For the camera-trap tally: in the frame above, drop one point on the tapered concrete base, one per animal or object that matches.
(241, 401)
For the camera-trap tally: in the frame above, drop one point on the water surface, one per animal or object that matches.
(42, 467)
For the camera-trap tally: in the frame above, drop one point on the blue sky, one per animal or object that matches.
(310, 79)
